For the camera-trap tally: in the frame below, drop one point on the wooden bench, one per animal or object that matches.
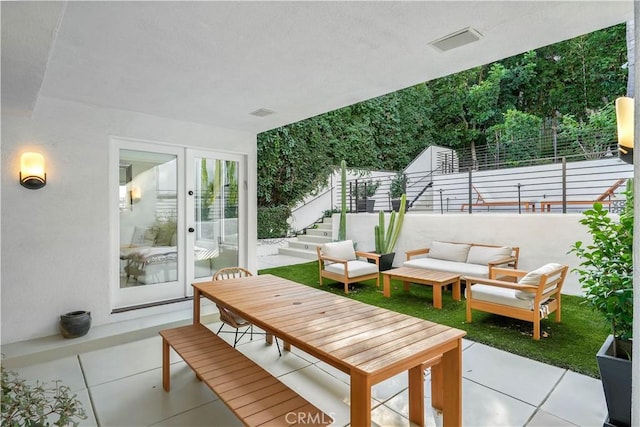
(255, 396)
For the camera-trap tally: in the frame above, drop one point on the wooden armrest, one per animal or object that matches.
(341, 261)
(370, 255)
(502, 261)
(496, 271)
(499, 283)
(415, 252)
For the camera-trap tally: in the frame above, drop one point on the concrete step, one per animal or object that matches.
(323, 226)
(318, 232)
(300, 244)
(300, 253)
(314, 239)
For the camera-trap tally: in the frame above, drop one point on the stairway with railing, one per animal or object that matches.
(551, 185)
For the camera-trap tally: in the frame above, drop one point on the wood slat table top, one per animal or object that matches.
(421, 274)
(348, 334)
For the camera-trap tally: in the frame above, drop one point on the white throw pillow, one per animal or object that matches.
(339, 250)
(483, 255)
(533, 278)
(456, 252)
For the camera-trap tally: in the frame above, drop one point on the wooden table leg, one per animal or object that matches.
(437, 390)
(416, 395)
(166, 375)
(437, 296)
(386, 285)
(196, 306)
(448, 382)
(456, 290)
(360, 400)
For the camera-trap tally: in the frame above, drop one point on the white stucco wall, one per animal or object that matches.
(56, 240)
(542, 238)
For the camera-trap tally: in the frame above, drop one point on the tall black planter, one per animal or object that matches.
(386, 261)
(75, 324)
(366, 205)
(395, 205)
(615, 374)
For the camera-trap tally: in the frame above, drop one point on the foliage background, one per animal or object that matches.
(564, 89)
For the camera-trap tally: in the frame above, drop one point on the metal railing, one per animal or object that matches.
(558, 186)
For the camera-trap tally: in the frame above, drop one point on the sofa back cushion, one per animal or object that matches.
(533, 278)
(339, 250)
(456, 252)
(483, 255)
(144, 236)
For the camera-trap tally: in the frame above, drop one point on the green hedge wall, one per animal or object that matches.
(272, 221)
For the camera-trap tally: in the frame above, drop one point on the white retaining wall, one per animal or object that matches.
(542, 238)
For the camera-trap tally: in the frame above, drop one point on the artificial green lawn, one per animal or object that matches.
(571, 344)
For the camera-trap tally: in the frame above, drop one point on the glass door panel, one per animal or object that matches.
(214, 232)
(149, 214)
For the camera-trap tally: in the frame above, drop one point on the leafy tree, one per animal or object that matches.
(516, 138)
(594, 135)
(564, 88)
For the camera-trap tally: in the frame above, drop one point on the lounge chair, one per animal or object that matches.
(482, 202)
(536, 294)
(339, 261)
(604, 198)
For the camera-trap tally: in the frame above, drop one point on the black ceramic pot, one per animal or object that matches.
(75, 324)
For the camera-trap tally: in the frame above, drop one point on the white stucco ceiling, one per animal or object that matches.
(216, 62)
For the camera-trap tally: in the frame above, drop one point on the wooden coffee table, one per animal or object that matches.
(422, 276)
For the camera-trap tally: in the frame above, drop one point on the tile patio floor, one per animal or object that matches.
(121, 385)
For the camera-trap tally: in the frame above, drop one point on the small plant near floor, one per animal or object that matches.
(39, 404)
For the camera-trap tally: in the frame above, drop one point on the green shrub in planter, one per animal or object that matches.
(606, 275)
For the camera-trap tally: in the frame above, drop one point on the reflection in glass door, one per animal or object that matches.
(149, 214)
(214, 229)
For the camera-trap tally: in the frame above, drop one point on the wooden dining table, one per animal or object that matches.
(368, 343)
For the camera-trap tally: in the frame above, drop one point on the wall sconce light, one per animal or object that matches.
(32, 174)
(135, 195)
(625, 121)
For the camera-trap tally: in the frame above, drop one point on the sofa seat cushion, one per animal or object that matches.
(446, 251)
(356, 268)
(483, 255)
(449, 266)
(498, 295)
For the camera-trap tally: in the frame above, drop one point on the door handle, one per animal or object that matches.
(191, 229)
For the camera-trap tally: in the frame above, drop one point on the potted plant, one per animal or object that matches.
(386, 238)
(38, 405)
(606, 275)
(364, 193)
(397, 188)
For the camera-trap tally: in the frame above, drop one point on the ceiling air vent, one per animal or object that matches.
(457, 39)
(262, 112)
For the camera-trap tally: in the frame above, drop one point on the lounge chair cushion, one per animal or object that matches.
(533, 278)
(499, 295)
(356, 268)
(461, 268)
(456, 252)
(483, 255)
(340, 250)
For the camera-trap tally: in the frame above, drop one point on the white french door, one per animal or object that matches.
(179, 216)
(215, 214)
